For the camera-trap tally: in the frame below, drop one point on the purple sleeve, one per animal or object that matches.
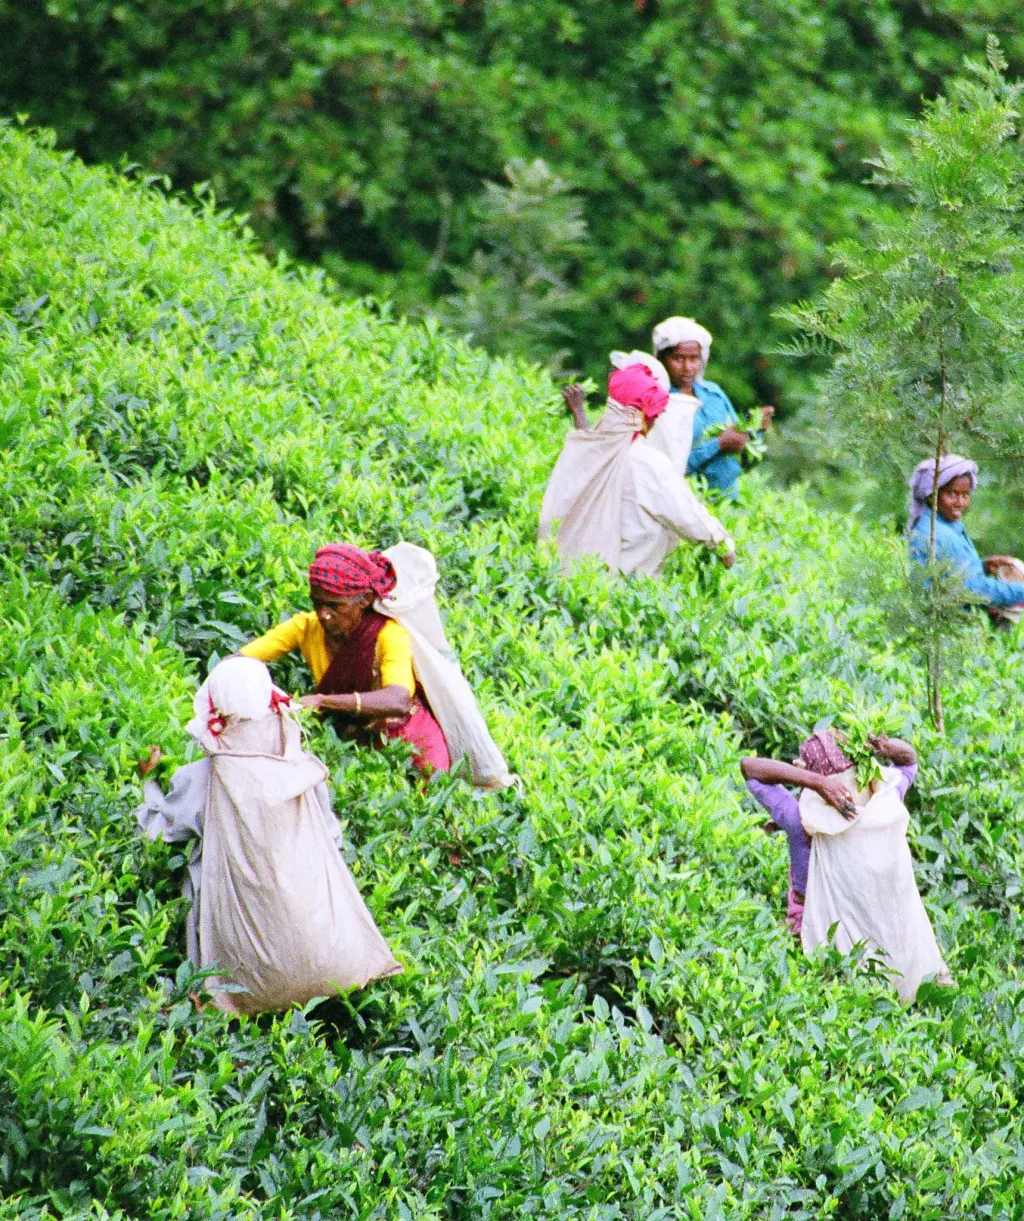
(777, 800)
(908, 774)
(785, 811)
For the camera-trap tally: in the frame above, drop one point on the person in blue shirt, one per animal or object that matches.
(958, 477)
(683, 347)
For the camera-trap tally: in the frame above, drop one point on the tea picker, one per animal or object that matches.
(613, 495)
(850, 865)
(997, 582)
(719, 440)
(273, 906)
(382, 663)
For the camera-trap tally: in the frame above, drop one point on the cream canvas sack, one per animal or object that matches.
(412, 605)
(862, 880)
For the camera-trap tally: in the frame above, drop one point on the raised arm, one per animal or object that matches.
(898, 752)
(830, 788)
(575, 400)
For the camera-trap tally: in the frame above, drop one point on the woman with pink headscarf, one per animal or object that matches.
(614, 496)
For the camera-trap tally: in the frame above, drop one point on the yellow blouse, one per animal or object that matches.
(392, 654)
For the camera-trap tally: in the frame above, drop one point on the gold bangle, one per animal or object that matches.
(359, 702)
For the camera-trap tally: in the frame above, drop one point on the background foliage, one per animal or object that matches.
(602, 1015)
(716, 149)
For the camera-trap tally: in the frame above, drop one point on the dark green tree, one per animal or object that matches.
(926, 321)
(514, 295)
(716, 148)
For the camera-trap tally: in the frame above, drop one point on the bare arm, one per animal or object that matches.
(830, 788)
(149, 763)
(575, 400)
(772, 771)
(898, 752)
(388, 701)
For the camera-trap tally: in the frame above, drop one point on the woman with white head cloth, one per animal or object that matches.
(986, 579)
(683, 347)
(274, 907)
(613, 496)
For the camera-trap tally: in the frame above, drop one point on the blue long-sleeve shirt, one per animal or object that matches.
(953, 545)
(720, 470)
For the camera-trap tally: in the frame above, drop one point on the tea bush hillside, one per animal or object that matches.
(602, 1015)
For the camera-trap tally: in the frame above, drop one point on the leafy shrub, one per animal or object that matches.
(602, 1015)
(717, 150)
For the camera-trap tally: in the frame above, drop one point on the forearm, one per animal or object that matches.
(579, 417)
(996, 592)
(388, 701)
(898, 752)
(773, 771)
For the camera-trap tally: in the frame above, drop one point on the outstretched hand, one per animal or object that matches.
(728, 559)
(152, 759)
(311, 701)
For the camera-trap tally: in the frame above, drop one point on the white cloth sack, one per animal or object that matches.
(588, 485)
(672, 434)
(412, 605)
(279, 914)
(621, 499)
(861, 879)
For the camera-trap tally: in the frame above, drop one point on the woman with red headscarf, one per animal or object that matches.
(361, 660)
(613, 495)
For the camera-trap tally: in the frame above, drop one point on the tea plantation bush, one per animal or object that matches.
(602, 1015)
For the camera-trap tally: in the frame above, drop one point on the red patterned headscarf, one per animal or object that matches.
(821, 754)
(343, 570)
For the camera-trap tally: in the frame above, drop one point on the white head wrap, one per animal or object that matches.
(677, 330)
(239, 687)
(622, 360)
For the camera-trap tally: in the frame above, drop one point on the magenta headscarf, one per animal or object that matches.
(821, 754)
(636, 386)
(922, 482)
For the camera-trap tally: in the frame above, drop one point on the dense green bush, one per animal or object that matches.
(717, 148)
(602, 1015)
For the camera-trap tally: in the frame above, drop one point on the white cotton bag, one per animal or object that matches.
(279, 912)
(412, 604)
(861, 879)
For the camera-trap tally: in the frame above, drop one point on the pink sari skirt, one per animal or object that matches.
(424, 735)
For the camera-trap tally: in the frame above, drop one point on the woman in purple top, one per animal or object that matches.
(819, 767)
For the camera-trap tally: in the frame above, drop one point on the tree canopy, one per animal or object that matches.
(716, 151)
